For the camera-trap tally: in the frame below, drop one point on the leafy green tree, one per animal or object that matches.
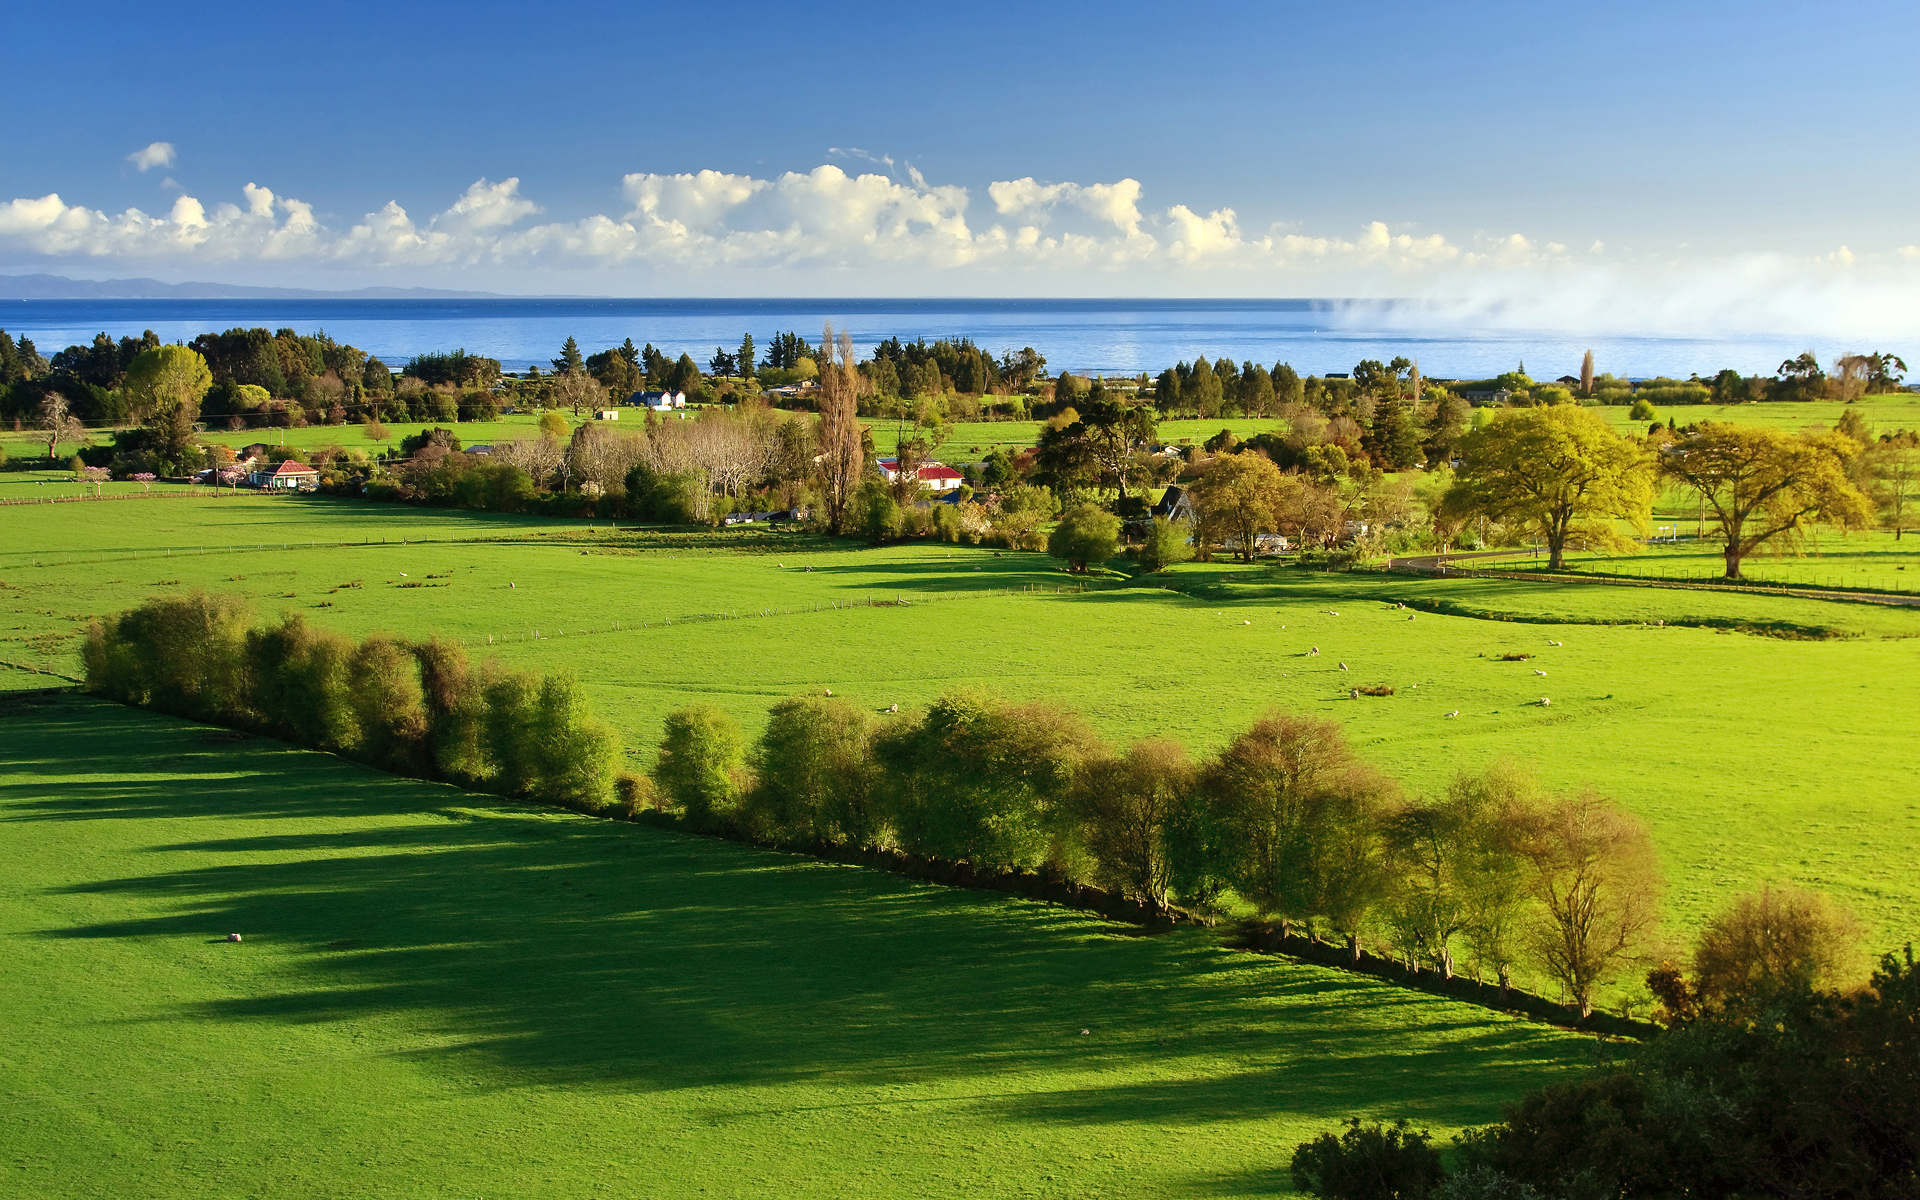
(1238, 499)
(1764, 486)
(1303, 815)
(165, 385)
(980, 780)
(1453, 873)
(1127, 806)
(1555, 473)
(1893, 474)
(744, 358)
(569, 362)
(1287, 387)
(1086, 535)
(702, 763)
(814, 774)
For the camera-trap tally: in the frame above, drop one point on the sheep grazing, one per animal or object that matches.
(1343, 666)
(1551, 642)
(1415, 685)
(1454, 713)
(233, 937)
(1545, 703)
(1353, 694)
(1410, 616)
(1246, 622)
(892, 708)
(829, 691)
(1538, 671)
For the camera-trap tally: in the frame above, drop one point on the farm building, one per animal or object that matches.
(606, 414)
(659, 401)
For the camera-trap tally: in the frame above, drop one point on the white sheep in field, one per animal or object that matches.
(1343, 666)
(1410, 616)
(1246, 622)
(1551, 642)
(1454, 713)
(1538, 671)
(1545, 703)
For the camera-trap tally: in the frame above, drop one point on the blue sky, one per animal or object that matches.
(1482, 153)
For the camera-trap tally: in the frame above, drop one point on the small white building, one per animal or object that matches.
(289, 476)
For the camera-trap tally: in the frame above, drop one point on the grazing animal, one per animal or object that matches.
(1353, 694)
(1410, 616)
(403, 574)
(893, 708)
(1343, 666)
(1551, 642)
(509, 585)
(829, 691)
(1416, 685)
(1246, 622)
(1454, 713)
(779, 564)
(233, 937)
(1544, 702)
(1538, 671)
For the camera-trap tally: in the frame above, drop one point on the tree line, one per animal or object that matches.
(412, 708)
(1494, 874)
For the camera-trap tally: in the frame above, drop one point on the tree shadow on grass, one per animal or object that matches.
(552, 949)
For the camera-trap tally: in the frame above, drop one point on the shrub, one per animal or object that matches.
(1168, 542)
(1368, 1162)
(575, 756)
(1779, 939)
(1642, 410)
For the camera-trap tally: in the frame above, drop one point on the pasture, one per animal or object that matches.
(440, 994)
(1753, 757)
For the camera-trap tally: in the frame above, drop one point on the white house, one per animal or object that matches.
(659, 401)
(935, 476)
(290, 476)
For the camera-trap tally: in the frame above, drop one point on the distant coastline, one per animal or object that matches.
(60, 287)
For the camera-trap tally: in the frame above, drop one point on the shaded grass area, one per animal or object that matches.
(443, 995)
(1864, 560)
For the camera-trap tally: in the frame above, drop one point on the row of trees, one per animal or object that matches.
(1495, 872)
(414, 708)
(1563, 476)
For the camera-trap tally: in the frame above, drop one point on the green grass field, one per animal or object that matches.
(1866, 559)
(1755, 758)
(440, 994)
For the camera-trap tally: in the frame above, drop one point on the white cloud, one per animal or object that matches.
(156, 154)
(829, 229)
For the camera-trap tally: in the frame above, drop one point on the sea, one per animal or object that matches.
(1090, 337)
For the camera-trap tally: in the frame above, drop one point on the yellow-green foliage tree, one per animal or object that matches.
(1765, 486)
(164, 388)
(1556, 473)
(1239, 498)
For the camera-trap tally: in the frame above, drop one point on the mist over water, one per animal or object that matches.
(1114, 337)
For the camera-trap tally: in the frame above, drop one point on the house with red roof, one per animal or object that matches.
(289, 476)
(936, 477)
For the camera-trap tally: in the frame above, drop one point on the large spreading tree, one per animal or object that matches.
(1556, 473)
(1765, 486)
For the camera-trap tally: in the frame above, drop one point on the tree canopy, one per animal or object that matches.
(1765, 486)
(1556, 473)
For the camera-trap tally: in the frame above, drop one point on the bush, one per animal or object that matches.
(1642, 410)
(1168, 542)
(1368, 1162)
(1085, 536)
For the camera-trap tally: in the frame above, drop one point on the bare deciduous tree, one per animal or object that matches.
(56, 419)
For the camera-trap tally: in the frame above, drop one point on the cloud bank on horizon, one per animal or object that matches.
(713, 232)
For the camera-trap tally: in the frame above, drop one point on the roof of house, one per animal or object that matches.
(291, 467)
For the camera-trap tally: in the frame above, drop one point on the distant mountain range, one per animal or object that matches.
(59, 287)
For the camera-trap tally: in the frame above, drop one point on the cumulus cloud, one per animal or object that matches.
(156, 154)
(873, 231)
